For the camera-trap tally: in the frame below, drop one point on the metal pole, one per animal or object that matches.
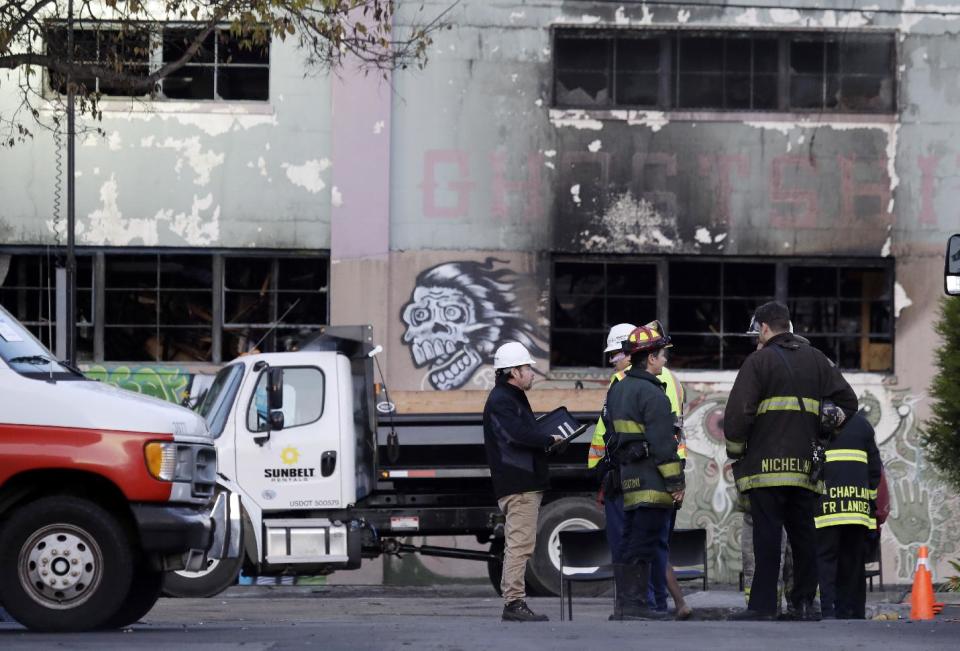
(71, 311)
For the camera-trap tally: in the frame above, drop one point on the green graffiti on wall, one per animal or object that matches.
(167, 383)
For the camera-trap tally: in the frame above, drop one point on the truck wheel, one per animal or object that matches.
(217, 577)
(145, 590)
(66, 564)
(543, 569)
(495, 568)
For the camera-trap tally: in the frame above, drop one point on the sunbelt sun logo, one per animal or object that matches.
(289, 456)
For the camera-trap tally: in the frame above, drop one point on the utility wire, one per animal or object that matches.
(925, 11)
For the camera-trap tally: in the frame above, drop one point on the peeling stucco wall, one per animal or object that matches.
(225, 174)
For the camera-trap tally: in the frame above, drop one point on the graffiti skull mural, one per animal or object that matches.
(457, 315)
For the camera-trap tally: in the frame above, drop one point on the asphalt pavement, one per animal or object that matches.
(359, 618)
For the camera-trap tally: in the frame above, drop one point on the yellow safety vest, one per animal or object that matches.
(674, 389)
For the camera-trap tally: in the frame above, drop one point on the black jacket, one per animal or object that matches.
(516, 451)
(639, 411)
(852, 475)
(766, 430)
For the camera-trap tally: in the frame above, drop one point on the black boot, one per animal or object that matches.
(518, 611)
(635, 605)
(619, 585)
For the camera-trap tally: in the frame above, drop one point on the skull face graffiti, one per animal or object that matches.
(458, 313)
(438, 319)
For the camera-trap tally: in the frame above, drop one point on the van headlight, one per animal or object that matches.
(170, 461)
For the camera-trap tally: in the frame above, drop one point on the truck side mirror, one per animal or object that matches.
(951, 267)
(276, 420)
(275, 388)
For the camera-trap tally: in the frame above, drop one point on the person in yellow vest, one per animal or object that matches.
(610, 494)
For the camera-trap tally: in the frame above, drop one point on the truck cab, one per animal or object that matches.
(101, 492)
(290, 445)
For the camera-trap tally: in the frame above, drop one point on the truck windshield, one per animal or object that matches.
(217, 403)
(26, 355)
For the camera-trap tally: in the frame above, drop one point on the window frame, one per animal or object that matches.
(218, 255)
(782, 267)
(669, 70)
(155, 60)
(253, 396)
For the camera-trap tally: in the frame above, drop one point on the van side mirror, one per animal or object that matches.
(275, 388)
(951, 267)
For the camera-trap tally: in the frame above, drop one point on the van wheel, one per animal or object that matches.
(66, 564)
(543, 569)
(145, 590)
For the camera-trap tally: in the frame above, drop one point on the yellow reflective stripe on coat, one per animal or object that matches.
(735, 447)
(787, 403)
(629, 427)
(652, 497)
(872, 494)
(766, 480)
(835, 519)
(597, 446)
(670, 469)
(847, 455)
(674, 391)
(682, 450)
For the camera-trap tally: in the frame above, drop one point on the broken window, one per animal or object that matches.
(28, 290)
(158, 307)
(846, 312)
(124, 49)
(845, 309)
(269, 303)
(582, 68)
(725, 69)
(226, 67)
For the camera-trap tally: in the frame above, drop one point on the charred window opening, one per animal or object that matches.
(709, 310)
(845, 308)
(725, 70)
(158, 308)
(28, 287)
(589, 298)
(260, 293)
(172, 306)
(124, 48)
(841, 73)
(227, 66)
(583, 64)
(846, 312)
(729, 71)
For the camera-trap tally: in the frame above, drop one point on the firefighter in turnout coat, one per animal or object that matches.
(845, 517)
(651, 474)
(771, 425)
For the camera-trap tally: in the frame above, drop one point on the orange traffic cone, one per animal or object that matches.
(921, 597)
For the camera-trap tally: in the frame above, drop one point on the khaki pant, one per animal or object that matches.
(520, 537)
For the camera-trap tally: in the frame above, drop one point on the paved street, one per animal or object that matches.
(467, 617)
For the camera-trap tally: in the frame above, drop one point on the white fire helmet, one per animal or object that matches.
(618, 334)
(511, 354)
